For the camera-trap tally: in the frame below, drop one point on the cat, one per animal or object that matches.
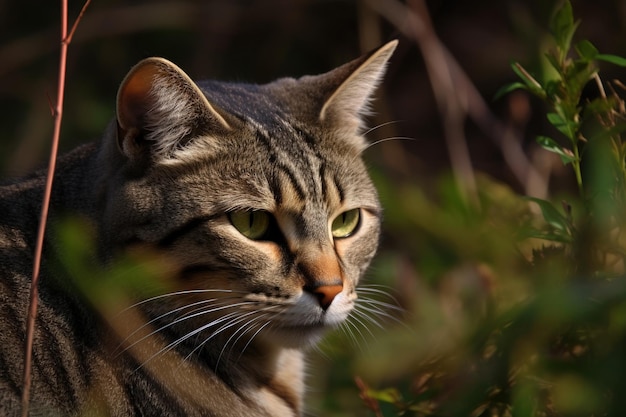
(257, 204)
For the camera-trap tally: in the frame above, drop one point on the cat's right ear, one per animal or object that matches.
(159, 110)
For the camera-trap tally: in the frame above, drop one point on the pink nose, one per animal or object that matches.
(325, 294)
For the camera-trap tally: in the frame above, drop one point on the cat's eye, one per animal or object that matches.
(253, 224)
(346, 223)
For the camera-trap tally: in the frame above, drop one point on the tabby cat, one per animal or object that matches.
(255, 201)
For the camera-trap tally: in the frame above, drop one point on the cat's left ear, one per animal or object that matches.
(159, 109)
(358, 79)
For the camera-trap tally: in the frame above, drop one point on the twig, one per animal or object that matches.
(368, 401)
(527, 75)
(455, 91)
(414, 22)
(450, 107)
(34, 293)
(68, 39)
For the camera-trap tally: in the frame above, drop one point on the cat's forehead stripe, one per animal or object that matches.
(286, 188)
(340, 190)
(296, 162)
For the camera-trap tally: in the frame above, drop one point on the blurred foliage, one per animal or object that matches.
(517, 305)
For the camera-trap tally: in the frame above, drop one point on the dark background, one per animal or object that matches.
(257, 41)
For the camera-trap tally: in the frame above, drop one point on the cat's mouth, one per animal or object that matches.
(306, 332)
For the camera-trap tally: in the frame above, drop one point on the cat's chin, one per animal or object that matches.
(296, 337)
(311, 327)
(310, 323)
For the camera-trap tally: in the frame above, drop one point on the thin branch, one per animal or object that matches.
(527, 75)
(368, 401)
(457, 94)
(34, 293)
(414, 22)
(68, 39)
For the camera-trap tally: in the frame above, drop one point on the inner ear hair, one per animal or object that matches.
(355, 84)
(158, 107)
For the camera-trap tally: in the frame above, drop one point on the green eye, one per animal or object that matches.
(346, 223)
(253, 224)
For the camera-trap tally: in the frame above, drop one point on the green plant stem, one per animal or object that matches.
(576, 165)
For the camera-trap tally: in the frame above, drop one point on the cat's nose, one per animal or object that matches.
(322, 275)
(325, 294)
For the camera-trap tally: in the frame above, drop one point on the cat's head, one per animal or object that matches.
(256, 195)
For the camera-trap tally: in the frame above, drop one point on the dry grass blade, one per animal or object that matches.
(34, 294)
(458, 99)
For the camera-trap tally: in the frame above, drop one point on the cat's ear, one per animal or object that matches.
(355, 84)
(159, 108)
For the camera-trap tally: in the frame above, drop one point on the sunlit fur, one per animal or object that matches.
(228, 331)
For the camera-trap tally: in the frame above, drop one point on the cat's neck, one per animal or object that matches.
(263, 374)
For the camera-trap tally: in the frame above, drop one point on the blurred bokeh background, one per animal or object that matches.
(257, 41)
(439, 259)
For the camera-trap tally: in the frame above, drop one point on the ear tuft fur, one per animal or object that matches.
(159, 107)
(349, 101)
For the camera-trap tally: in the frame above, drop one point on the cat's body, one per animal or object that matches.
(256, 203)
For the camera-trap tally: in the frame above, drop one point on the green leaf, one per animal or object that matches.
(563, 27)
(388, 395)
(550, 144)
(553, 60)
(613, 59)
(553, 89)
(531, 83)
(577, 76)
(618, 129)
(567, 127)
(506, 89)
(538, 234)
(551, 215)
(586, 50)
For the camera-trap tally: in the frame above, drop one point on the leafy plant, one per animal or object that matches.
(562, 91)
(517, 314)
(592, 127)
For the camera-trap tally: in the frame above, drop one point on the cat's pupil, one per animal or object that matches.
(346, 223)
(253, 224)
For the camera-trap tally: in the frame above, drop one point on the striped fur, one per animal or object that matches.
(228, 336)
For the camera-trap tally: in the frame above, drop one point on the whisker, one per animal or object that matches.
(238, 331)
(253, 336)
(349, 326)
(180, 340)
(370, 130)
(229, 324)
(372, 307)
(354, 317)
(367, 317)
(388, 139)
(196, 313)
(368, 291)
(176, 310)
(384, 290)
(347, 330)
(176, 293)
(238, 320)
(381, 305)
(266, 313)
